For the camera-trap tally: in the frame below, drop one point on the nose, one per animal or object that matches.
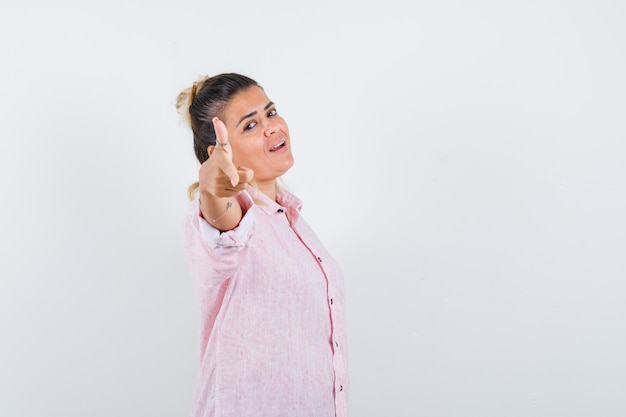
(270, 128)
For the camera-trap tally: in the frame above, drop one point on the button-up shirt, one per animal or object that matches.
(272, 324)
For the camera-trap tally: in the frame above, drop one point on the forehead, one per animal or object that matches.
(245, 102)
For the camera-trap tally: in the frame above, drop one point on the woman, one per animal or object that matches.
(271, 298)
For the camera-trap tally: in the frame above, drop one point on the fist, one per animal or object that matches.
(218, 175)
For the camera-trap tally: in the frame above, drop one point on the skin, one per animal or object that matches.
(258, 149)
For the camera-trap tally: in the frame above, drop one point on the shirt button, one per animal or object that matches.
(280, 210)
(319, 259)
(331, 301)
(336, 344)
(340, 388)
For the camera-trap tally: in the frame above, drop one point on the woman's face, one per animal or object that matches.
(259, 137)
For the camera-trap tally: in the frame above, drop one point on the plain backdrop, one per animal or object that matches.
(465, 162)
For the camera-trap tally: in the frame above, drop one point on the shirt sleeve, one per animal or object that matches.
(214, 256)
(215, 238)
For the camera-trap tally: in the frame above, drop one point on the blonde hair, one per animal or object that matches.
(186, 97)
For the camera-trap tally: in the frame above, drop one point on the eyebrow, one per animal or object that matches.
(267, 106)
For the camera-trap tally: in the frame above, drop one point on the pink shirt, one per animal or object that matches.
(271, 300)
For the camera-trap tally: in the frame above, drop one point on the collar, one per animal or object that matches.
(286, 200)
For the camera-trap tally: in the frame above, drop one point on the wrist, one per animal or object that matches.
(229, 204)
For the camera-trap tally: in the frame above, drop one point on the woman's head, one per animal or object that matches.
(205, 99)
(258, 135)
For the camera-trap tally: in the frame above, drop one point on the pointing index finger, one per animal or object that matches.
(221, 141)
(221, 133)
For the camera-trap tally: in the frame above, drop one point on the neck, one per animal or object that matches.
(268, 188)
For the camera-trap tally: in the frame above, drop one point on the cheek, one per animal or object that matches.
(285, 126)
(245, 155)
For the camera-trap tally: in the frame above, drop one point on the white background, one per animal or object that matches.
(463, 161)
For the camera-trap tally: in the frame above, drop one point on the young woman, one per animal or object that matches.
(271, 298)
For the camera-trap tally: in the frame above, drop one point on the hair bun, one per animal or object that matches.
(185, 98)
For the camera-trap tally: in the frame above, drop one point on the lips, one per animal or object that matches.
(278, 146)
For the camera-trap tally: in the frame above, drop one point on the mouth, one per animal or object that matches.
(278, 146)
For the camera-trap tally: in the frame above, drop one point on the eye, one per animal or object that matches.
(272, 112)
(249, 126)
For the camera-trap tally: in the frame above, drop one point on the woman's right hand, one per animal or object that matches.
(218, 175)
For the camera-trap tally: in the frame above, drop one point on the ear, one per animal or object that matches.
(210, 150)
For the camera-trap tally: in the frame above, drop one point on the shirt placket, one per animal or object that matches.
(335, 340)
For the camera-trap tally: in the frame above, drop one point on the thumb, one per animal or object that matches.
(245, 174)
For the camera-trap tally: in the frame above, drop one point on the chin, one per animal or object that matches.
(289, 164)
